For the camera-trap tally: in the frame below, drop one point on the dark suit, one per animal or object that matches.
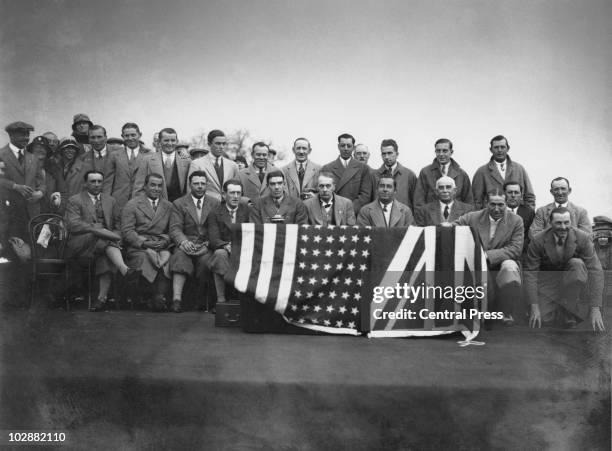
(153, 163)
(220, 234)
(214, 187)
(342, 211)
(372, 215)
(251, 186)
(430, 214)
(425, 191)
(120, 173)
(292, 180)
(578, 216)
(405, 183)
(353, 182)
(291, 209)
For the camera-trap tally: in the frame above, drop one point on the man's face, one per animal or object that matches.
(386, 190)
(19, 138)
(301, 150)
(153, 189)
(198, 186)
(94, 184)
(499, 149)
(97, 138)
(560, 191)
(560, 224)
(131, 137)
(241, 165)
(443, 153)
(52, 140)
(276, 187)
(232, 195)
(167, 142)
(345, 146)
(513, 196)
(260, 157)
(362, 154)
(69, 153)
(326, 187)
(446, 191)
(40, 152)
(82, 128)
(271, 157)
(389, 155)
(496, 206)
(218, 146)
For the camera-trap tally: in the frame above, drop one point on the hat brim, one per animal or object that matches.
(87, 122)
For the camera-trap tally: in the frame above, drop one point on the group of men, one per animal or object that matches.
(160, 217)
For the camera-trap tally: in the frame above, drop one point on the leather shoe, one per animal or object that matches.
(159, 303)
(176, 306)
(99, 305)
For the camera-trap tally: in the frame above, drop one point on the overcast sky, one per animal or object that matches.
(535, 71)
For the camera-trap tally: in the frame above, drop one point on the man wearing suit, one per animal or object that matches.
(499, 170)
(560, 189)
(278, 207)
(169, 163)
(353, 178)
(560, 262)
(385, 211)
(326, 207)
(501, 235)
(23, 180)
(218, 169)
(189, 232)
(96, 157)
(301, 174)
(514, 198)
(443, 165)
(93, 220)
(405, 179)
(123, 164)
(445, 209)
(230, 211)
(145, 229)
(254, 178)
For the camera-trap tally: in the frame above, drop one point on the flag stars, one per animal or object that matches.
(339, 266)
(351, 324)
(305, 238)
(294, 307)
(341, 253)
(317, 308)
(302, 265)
(354, 238)
(350, 266)
(314, 266)
(330, 239)
(305, 307)
(357, 296)
(359, 282)
(335, 280)
(348, 281)
(314, 321)
(317, 238)
(327, 266)
(316, 252)
(342, 238)
(303, 251)
(327, 322)
(345, 295)
(297, 293)
(353, 252)
(301, 320)
(312, 281)
(330, 309)
(324, 281)
(365, 253)
(309, 294)
(354, 311)
(367, 239)
(362, 267)
(332, 294)
(321, 294)
(342, 309)
(329, 253)
(339, 323)
(300, 279)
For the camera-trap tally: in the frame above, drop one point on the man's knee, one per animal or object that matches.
(509, 273)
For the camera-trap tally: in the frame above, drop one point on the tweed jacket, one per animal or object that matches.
(430, 214)
(425, 190)
(488, 178)
(372, 215)
(342, 211)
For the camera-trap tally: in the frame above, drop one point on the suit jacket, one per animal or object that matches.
(292, 181)
(527, 214)
(71, 183)
(578, 216)
(139, 222)
(342, 211)
(353, 182)
(184, 224)
(153, 162)
(372, 215)
(405, 182)
(31, 174)
(506, 244)
(207, 164)
(91, 162)
(120, 173)
(542, 259)
(488, 178)
(425, 190)
(291, 208)
(251, 186)
(220, 224)
(430, 213)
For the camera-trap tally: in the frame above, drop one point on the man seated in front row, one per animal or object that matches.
(230, 211)
(144, 226)
(385, 211)
(446, 208)
(560, 262)
(501, 235)
(93, 220)
(189, 232)
(278, 207)
(326, 207)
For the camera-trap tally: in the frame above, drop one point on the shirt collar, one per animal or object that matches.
(135, 149)
(493, 220)
(392, 168)
(14, 148)
(390, 204)
(92, 197)
(561, 205)
(195, 200)
(101, 152)
(442, 204)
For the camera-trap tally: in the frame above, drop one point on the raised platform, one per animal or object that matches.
(138, 380)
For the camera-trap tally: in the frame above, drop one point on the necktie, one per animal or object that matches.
(168, 162)
(559, 241)
(446, 212)
(327, 206)
(261, 175)
(385, 210)
(98, 154)
(199, 204)
(277, 203)
(443, 169)
(99, 211)
(132, 154)
(387, 172)
(20, 157)
(233, 216)
(219, 170)
(154, 204)
(217, 163)
(301, 175)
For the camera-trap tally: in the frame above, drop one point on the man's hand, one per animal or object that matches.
(106, 234)
(597, 320)
(228, 248)
(535, 318)
(188, 247)
(36, 196)
(56, 199)
(152, 244)
(24, 190)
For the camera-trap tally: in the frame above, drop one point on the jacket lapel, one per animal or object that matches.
(570, 245)
(348, 173)
(11, 160)
(378, 216)
(182, 167)
(145, 206)
(89, 205)
(484, 227)
(309, 174)
(107, 208)
(495, 173)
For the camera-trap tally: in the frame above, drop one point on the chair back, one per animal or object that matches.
(48, 236)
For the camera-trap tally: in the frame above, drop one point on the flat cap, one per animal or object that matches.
(183, 144)
(114, 141)
(81, 117)
(602, 223)
(19, 127)
(198, 150)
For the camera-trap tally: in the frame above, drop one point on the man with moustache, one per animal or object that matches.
(386, 210)
(168, 163)
(145, 229)
(301, 174)
(443, 165)
(361, 153)
(327, 208)
(123, 164)
(405, 179)
(253, 178)
(446, 208)
(217, 167)
(514, 202)
(560, 190)
(499, 170)
(278, 207)
(560, 264)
